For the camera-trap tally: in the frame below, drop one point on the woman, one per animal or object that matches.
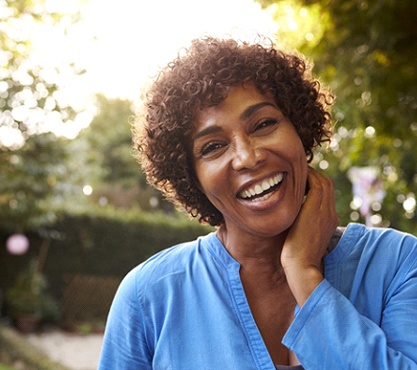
(230, 129)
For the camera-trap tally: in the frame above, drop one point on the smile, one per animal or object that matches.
(262, 188)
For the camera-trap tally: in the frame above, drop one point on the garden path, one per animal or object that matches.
(75, 351)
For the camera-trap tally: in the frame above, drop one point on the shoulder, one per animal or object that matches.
(372, 260)
(176, 258)
(386, 237)
(378, 243)
(173, 260)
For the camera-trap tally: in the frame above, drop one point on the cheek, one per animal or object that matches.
(206, 178)
(304, 184)
(214, 185)
(302, 165)
(197, 179)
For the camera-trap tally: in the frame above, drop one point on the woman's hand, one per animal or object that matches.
(309, 236)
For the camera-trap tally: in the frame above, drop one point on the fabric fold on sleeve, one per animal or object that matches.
(329, 330)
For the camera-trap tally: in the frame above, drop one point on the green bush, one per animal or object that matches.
(101, 242)
(111, 242)
(28, 296)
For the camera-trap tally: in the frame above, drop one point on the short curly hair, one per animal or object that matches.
(200, 77)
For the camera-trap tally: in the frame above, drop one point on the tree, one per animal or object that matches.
(365, 51)
(115, 175)
(110, 140)
(30, 99)
(33, 183)
(35, 165)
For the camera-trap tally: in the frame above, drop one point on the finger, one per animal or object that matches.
(320, 183)
(322, 196)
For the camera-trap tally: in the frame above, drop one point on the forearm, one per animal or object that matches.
(303, 281)
(307, 240)
(328, 332)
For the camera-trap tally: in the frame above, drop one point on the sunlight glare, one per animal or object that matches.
(11, 137)
(134, 38)
(117, 45)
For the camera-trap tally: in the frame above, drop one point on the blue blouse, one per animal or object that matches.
(185, 308)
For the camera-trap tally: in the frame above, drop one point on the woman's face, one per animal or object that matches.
(250, 163)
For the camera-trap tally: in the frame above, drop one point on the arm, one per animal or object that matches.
(307, 240)
(124, 345)
(330, 333)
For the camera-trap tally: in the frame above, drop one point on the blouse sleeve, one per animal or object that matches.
(329, 332)
(124, 344)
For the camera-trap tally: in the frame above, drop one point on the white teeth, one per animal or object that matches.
(259, 188)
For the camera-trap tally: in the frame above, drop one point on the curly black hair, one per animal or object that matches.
(200, 77)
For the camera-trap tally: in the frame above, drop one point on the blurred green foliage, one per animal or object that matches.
(365, 51)
(33, 182)
(109, 142)
(99, 241)
(110, 164)
(29, 92)
(36, 168)
(27, 296)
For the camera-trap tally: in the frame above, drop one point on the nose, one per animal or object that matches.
(247, 155)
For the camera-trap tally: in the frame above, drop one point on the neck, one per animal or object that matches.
(253, 251)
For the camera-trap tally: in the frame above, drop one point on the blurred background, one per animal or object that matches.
(76, 213)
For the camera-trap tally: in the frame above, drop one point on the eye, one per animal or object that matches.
(265, 124)
(211, 148)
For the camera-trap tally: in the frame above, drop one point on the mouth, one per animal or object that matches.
(262, 189)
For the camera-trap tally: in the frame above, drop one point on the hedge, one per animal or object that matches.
(101, 242)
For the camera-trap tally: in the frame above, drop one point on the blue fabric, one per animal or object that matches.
(185, 308)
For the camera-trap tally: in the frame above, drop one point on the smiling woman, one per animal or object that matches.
(174, 102)
(227, 133)
(240, 145)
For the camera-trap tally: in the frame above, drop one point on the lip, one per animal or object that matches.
(268, 203)
(277, 177)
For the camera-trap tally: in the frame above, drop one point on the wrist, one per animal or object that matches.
(303, 280)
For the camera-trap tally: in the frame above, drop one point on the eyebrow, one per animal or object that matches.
(243, 116)
(253, 108)
(207, 131)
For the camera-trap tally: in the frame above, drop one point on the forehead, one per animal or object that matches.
(235, 105)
